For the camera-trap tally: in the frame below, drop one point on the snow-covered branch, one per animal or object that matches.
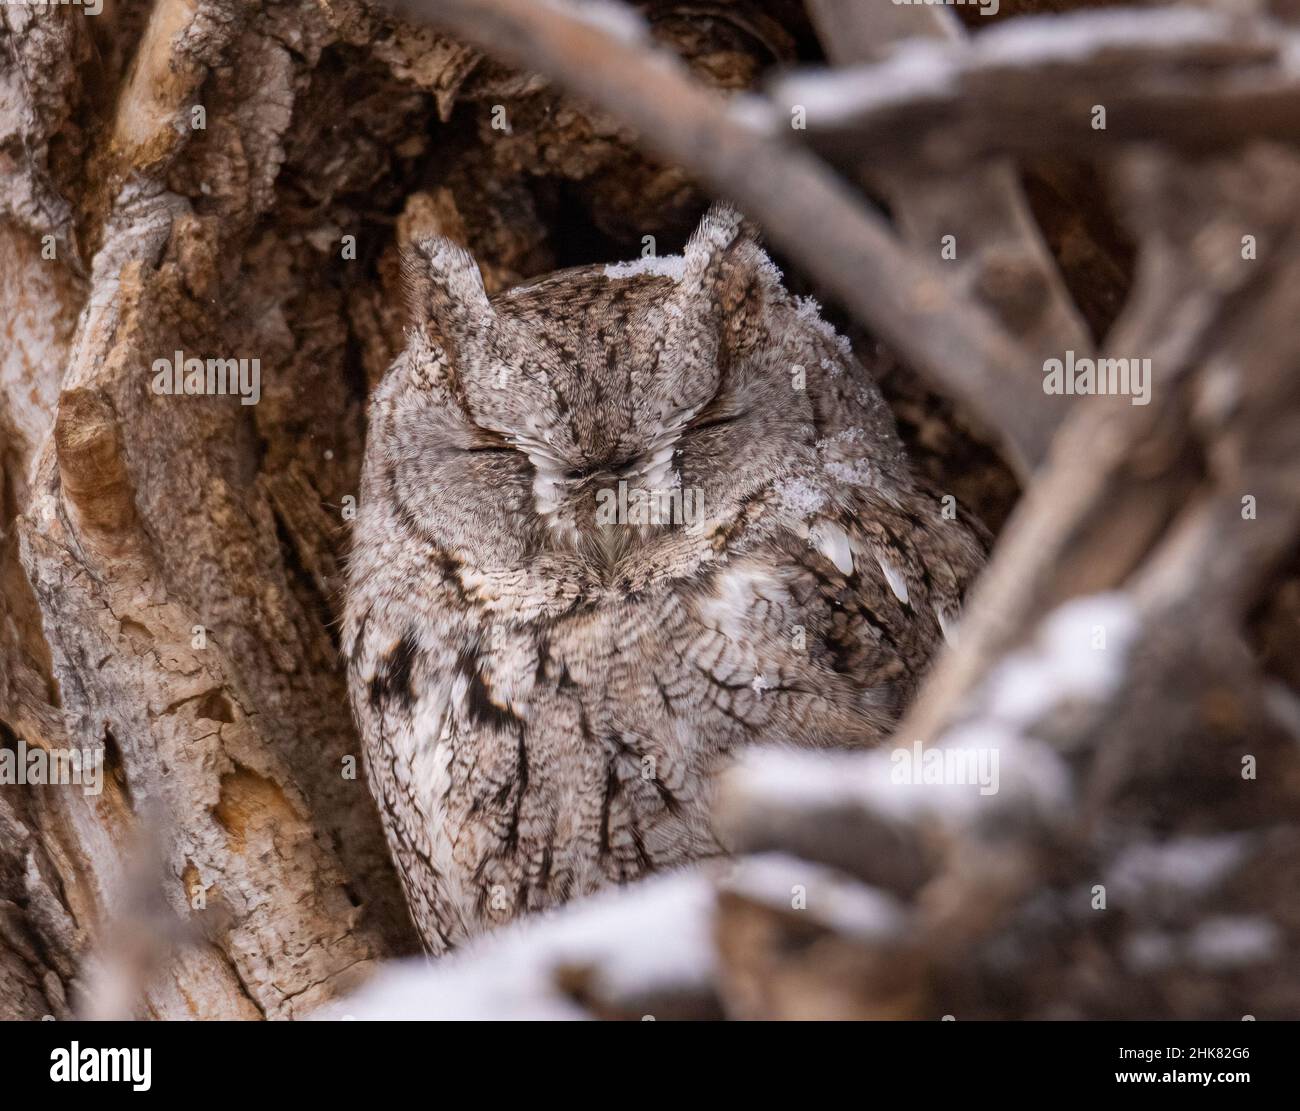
(1076, 84)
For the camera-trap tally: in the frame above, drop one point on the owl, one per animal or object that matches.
(614, 526)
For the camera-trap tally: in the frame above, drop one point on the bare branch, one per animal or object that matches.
(1211, 322)
(803, 206)
(995, 252)
(1195, 80)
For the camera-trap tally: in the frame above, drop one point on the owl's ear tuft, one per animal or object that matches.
(720, 231)
(723, 285)
(445, 289)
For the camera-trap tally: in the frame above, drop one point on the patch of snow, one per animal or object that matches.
(844, 457)
(755, 113)
(789, 777)
(930, 69)
(849, 907)
(635, 939)
(916, 69)
(770, 272)
(808, 311)
(888, 783)
(1224, 943)
(985, 769)
(1074, 35)
(1079, 653)
(859, 472)
(799, 497)
(667, 266)
(1029, 776)
(619, 21)
(1188, 867)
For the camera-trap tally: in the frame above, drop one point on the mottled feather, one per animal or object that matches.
(545, 696)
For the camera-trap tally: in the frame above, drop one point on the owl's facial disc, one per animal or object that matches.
(598, 402)
(608, 507)
(596, 378)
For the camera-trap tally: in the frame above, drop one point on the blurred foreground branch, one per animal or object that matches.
(1196, 80)
(749, 155)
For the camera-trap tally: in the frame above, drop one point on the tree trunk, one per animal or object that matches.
(226, 181)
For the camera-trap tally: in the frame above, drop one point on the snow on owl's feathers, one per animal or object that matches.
(545, 697)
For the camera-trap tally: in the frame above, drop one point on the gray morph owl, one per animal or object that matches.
(614, 525)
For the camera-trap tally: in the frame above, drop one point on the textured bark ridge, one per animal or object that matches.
(227, 180)
(181, 177)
